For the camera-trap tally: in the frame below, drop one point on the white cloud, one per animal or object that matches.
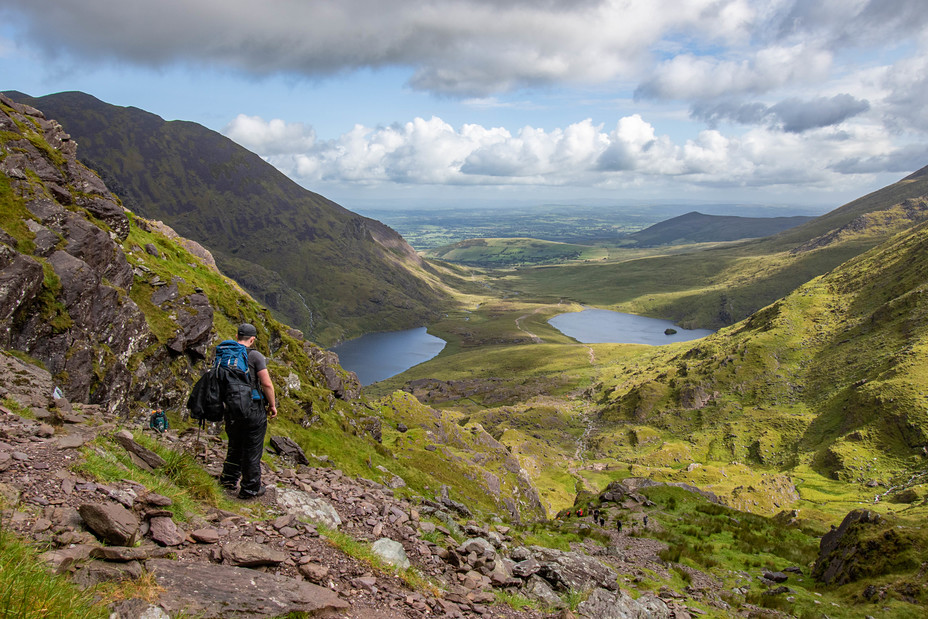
(270, 138)
(583, 154)
(689, 77)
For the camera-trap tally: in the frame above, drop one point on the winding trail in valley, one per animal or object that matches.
(535, 338)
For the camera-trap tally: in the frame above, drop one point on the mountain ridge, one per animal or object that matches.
(696, 227)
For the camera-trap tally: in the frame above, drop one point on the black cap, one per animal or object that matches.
(247, 330)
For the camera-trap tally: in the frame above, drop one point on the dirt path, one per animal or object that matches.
(535, 338)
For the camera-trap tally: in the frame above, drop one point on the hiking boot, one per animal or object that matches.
(252, 495)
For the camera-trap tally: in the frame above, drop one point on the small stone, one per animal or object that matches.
(289, 532)
(314, 572)
(205, 536)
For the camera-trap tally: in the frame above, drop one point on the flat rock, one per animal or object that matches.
(251, 554)
(602, 604)
(71, 441)
(129, 553)
(211, 590)
(96, 572)
(164, 531)
(205, 536)
(59, 560)
(315, 572)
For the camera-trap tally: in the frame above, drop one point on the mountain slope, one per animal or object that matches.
(717, 287)
(695, 227)
(322, 268)
(831, 377)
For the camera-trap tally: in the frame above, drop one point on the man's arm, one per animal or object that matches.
(264, 379)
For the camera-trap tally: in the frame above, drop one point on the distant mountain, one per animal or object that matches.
(695, 227)
(322, 268)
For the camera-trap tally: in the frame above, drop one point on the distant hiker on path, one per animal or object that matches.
(246, 415)
(618, 525)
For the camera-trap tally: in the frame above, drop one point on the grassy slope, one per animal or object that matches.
(514, 251)
(826, 382)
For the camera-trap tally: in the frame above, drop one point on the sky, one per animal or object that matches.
(491, 103)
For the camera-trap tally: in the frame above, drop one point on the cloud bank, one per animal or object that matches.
(431, 151)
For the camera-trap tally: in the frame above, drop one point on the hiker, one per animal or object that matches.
(618, 525)
(246, 423)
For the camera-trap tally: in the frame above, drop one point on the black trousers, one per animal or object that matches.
(246, 431)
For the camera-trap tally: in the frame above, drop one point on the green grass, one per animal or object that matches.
(362, 551)
(29, 591)
(506, 252)
(182, 479)
(515, 601)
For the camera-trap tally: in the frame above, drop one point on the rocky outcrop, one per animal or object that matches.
(345, 385)
(63, 283)
(842, 557)
(603, 604)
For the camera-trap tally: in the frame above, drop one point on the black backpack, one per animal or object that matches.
(225, 385)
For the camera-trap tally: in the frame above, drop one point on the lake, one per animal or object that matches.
(597, 326)
(378, 356)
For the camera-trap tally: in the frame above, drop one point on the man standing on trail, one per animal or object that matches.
(246, 428)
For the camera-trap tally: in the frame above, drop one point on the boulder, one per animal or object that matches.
(392, 552)
(112, 523)
(602, 604)
(374, 427)
(573, 570)
(524, 569)
(857, 549)
(220, 591)
(302, 505)
(288, 449)
(538, 589)
(164, 531)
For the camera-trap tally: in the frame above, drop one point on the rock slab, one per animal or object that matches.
(219, 591)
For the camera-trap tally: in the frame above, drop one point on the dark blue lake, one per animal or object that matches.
(597, 326)
(378, 356)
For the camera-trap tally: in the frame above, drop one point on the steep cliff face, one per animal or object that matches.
(63, 295)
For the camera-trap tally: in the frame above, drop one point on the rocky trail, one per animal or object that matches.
(272, 557)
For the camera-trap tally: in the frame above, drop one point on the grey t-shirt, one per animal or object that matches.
(256, 363)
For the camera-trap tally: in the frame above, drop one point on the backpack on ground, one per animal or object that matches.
(222, 386)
